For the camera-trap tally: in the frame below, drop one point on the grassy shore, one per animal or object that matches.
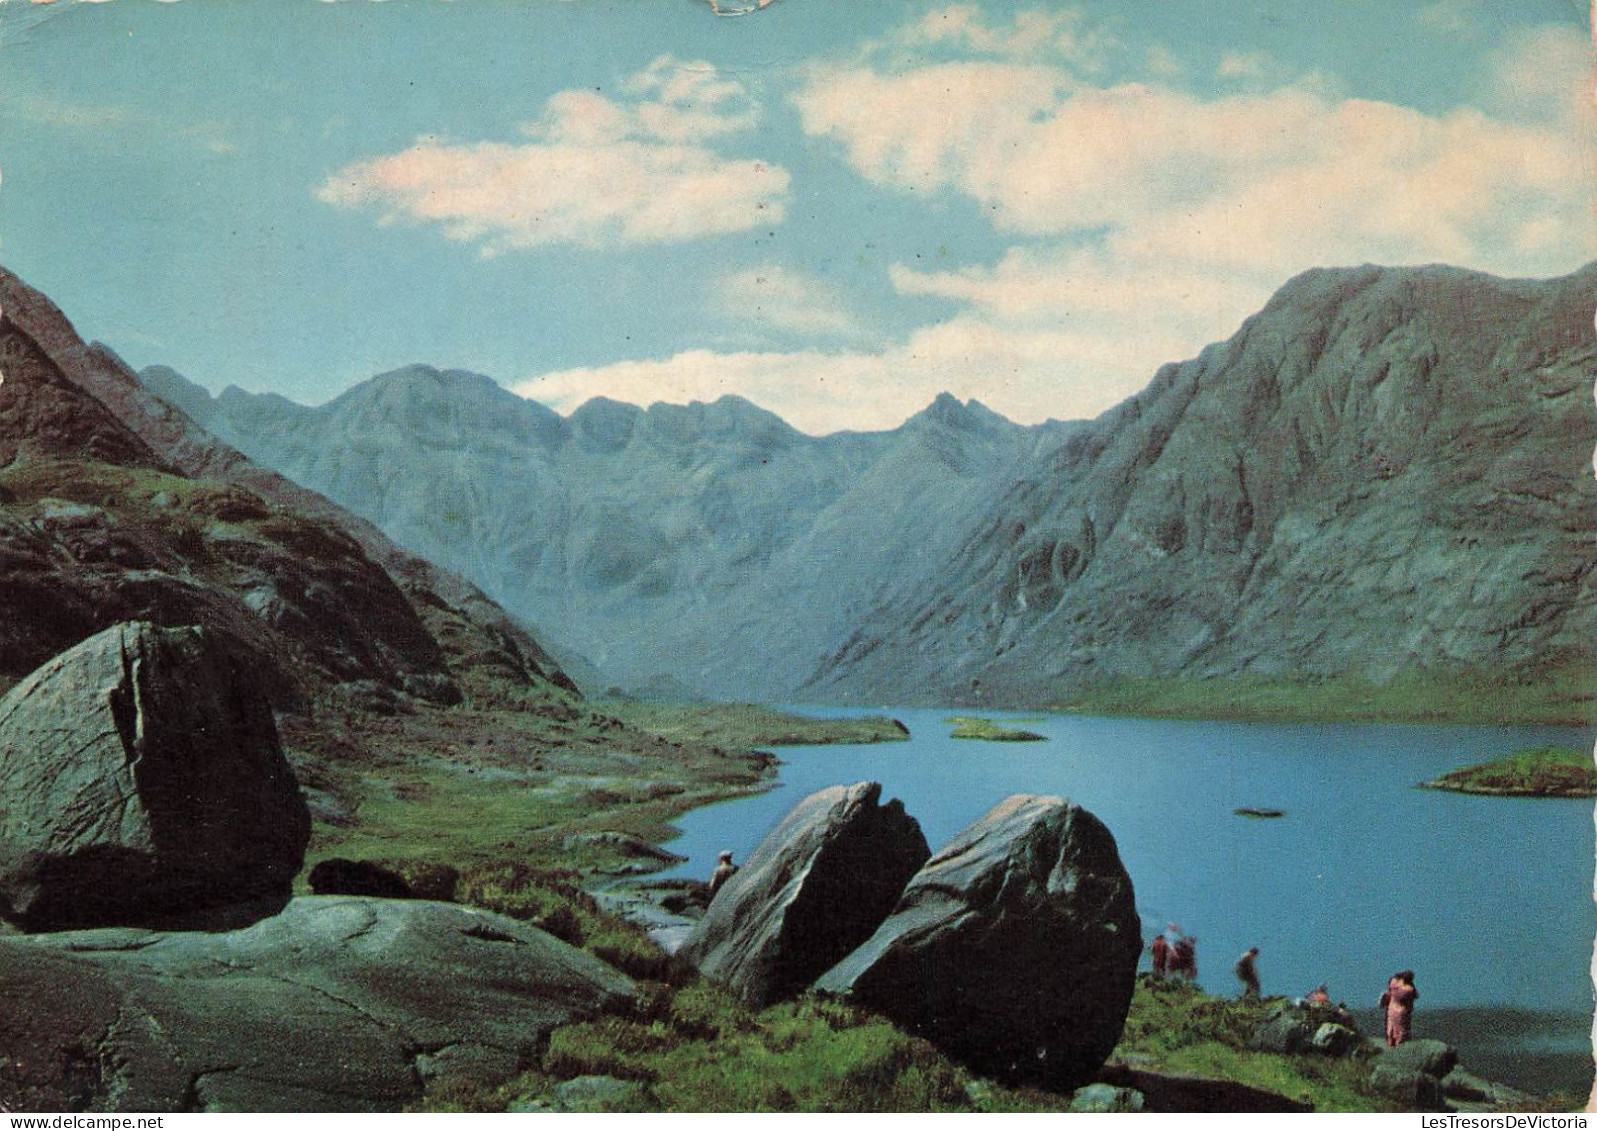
(689, 1045)
(468, 786)
(1546, 771)
(747, 724)
(1562, 694)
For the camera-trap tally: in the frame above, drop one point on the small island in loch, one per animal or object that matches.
(986, 730)
(1545, 771)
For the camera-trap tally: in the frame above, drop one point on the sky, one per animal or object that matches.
(835, 209)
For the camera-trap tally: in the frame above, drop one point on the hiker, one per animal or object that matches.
(1320, 995)
(724, 871)
(1247, 972)
(1184, 957)
(1161, 957)
(1398, 1004)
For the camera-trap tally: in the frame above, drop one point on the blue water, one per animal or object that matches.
(1488, 899)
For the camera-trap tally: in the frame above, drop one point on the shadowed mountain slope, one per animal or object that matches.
(118, 507)
(1385, 471)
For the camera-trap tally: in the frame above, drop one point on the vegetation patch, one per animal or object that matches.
(1174, 1028)
(699, 1048)
(986, 730)
(1546, 771)
(1561, 692)
(748, 724)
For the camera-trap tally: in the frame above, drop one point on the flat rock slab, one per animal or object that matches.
(335, 1004)
(814, 889)
(142, 775)
(1014, 949)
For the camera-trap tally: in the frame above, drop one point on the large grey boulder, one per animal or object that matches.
(814, 889)
(1434, 1058)
(335, 1004)
(1014, 949)
(142, 775)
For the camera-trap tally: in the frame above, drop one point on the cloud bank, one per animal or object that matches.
(596, 172)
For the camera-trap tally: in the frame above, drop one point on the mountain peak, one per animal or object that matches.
(47, 402)
(948, 411)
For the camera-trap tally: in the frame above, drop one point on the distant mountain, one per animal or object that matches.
(709, 547)
(1385, 471)
(116, 507)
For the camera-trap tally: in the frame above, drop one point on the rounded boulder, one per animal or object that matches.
(814, 889)
(143, 777)
(1014, 949)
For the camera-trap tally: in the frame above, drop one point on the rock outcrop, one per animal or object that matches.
(1014, 949)
(817, 887)
(142, 775)
(336, 1004)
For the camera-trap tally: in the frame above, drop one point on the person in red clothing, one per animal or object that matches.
(1161, 956)
(1398, 1004)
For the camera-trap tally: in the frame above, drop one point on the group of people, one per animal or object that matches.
(1178, 959)
(1175, 955)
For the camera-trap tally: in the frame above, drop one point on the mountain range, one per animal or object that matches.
(1384, 473)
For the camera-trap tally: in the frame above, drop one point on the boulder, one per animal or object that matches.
(1295, 1027)
(1014, 949)
(1286, 1032)
(335, 1004)
(1434, 1058)
(814, 889)
(142, 776)
(1103, 1099)
(1408, 1086)
(1332, 1039)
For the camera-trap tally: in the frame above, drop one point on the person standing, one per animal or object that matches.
(724, 871)
(1247, 971)
(1161, 957)
(1398, 1004)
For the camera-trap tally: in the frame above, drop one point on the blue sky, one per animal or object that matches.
(834, 209)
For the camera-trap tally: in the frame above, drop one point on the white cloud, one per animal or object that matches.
(1161, 62)
(1062, 33)
(1243, 65)
(1148, 222)
(1275, 181)
(1547, 74)
(597, 172)
(1027, 376)
(787, 299)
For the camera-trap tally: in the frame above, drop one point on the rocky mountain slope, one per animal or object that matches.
(118, 508)
(1385, 472)
(706, 549)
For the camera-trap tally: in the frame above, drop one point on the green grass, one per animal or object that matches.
(1175, 1028)
(698, 1048)
(1546, 771)
(1561, 693)
(986, 730)
(748, 724)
